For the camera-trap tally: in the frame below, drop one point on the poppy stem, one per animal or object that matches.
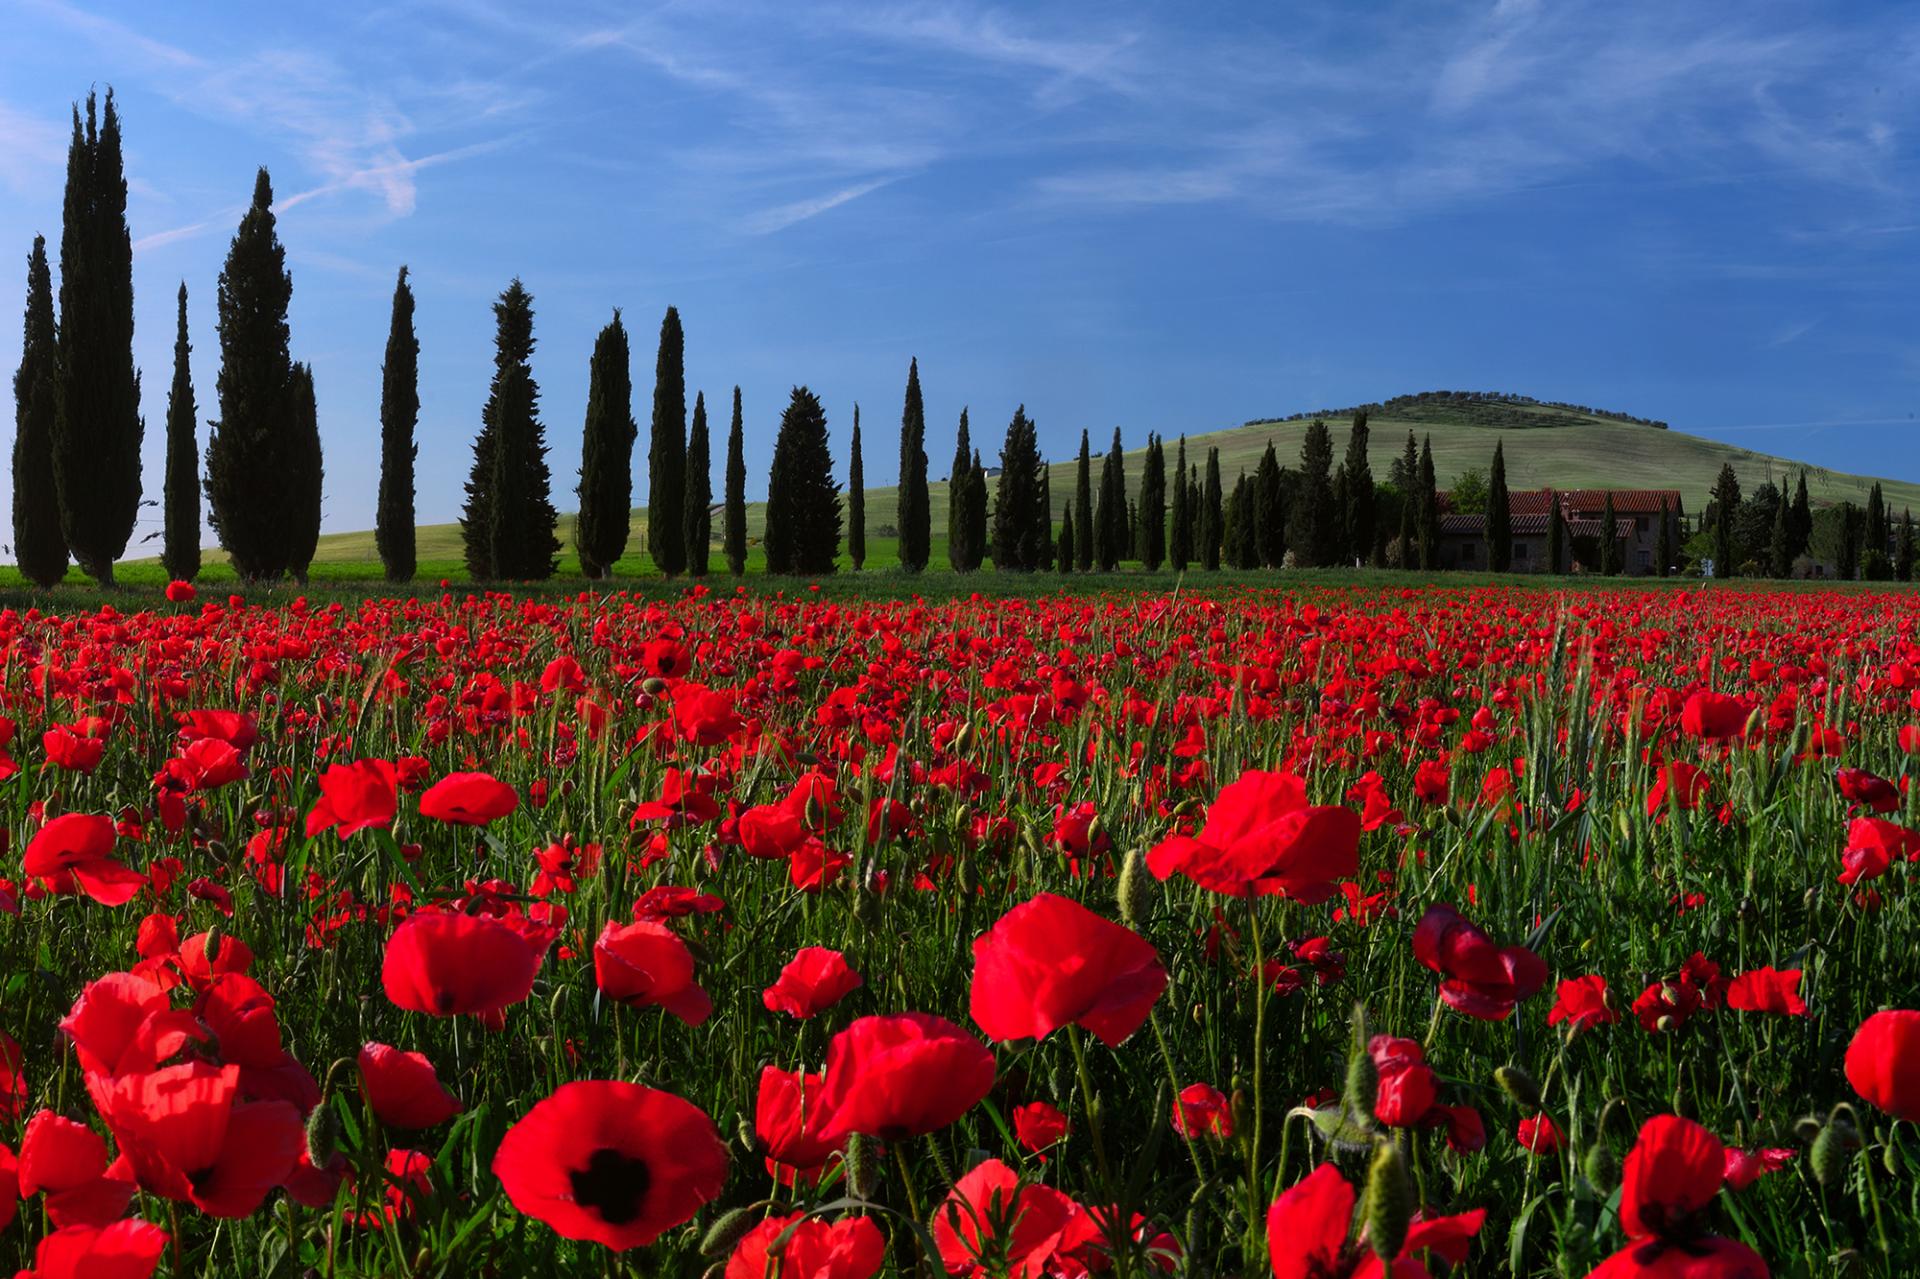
(1259, 1057)
(906, 1175)
(1173, 1078)
(1087, 1104)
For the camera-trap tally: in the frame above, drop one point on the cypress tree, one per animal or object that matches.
(962, 555)
(97, 424)
(974, 506)
(38, 546)
(1404, 474)
(605, 521)
(667, 453)
(803, 502)
(1849, 548)
(1874, 534)
(956, 477)
(1556, 535)
(1609, 538)
(1063, 557)
(857, 498)
(521, 522)
(399, 414)
(1311, 517)
(1021, 524)
(1428, 510)
(1409, 542)
(1359, 504)
(1044, 516)
(1903, 547)
(250, 483)
(1726, 500)
(697, 510)
(1779, 542)
(1151, 536)
(1266, 511)
(1180, 536)
(1083, 509)
(1212, 522)
(1110, 524)
(305, 471)
(1667, 549)
(736, 531)
(181, 548)
(915, 516)
(1800, 526)
(1499, 513)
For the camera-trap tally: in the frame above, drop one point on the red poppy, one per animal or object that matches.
(127, 1249)
(901, 1076)
(1582, 1003)
(468, 799)
(684, 800)
(1307, 1235)
(851, 1248)
(1261, 836)
(190, 1139)
(1050, 961)
(1539, 1135)
(68, 1162)
(78, 748)
(1202, 1110)
(1744, 1167)
(1766, 991)
(1714, 716)
(444, 964)
(402, 1088)
(613, 1162)
(74, 853)
(179, 592)
(1038, 1126)
(1686, 784)
(646, 965)
(1883, 1062)
(1482, 980)
(1673, 1172)
(1861, 787)
(702, 715)
(814, 980)
(789, 1118)
(354, 797)
(107, 1021)
(988, 1214)
(1407, 1089)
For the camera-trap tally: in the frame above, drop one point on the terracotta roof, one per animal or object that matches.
(1528, 526)
(1625, 501)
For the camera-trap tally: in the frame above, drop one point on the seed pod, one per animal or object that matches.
(1519, 1085)
(1602, 1169)
(1389, 1204)
(1135, 890)
(963, 737)
(726, 1230)
(213, 945)
(748, 1140)
(863, 1176)
(653, 686)
(323, 1135)
(1833, 1150)
(1363, 1077)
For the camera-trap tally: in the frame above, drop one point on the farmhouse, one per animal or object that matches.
(1463, 536)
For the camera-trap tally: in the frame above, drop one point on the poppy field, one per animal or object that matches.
(1343, 933)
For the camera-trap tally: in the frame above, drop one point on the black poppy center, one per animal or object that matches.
(613, 1184)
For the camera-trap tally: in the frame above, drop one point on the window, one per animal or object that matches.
(1466, 553)
(1519, 550)
(1646, 560)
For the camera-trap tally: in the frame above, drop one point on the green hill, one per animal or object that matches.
(1566, 446)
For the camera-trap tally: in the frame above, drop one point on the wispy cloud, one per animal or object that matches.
(34, 151)
(786, 215)
(1793, 333)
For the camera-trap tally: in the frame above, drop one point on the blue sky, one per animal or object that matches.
(1163, 217)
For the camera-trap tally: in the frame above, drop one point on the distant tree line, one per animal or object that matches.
(1459, 405)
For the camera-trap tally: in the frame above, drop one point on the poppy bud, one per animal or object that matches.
(862, 1173)
(1806, 1128)
(1601, 1167)
(727, 1229)
(1135, 890)
(1519, 1085)
(1241, 1110)
(323, 1135)
(1363, 1077)
(213, 945)
(963, 737)
(1389, 1203)
(744, 1134)
(653, 686)
(1833, 1150)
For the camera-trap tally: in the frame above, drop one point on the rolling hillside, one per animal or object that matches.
(1560, 445)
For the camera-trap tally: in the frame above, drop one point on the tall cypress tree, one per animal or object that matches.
(1266, 511)
(1667, 551)
(520, 520)
(1180, 518)
(1358, 507)
(1779, 540)
(1428, 510)
(1212, 522)
(697, 510)
(97, 424)
(1726, 503)
(1902, 547)
(605, 521)
(1874, 532)
(736, 521)
(915, 517)
(963, 556)
(399, 414)
(1063, 558)
(1609, 538)
(250, 479)
(1311, 517)
(38, 546)
(1404, 474)
(857, 498)
(974, 506)
(1083, 509)
(803, 502)
(1043, 515)
(180, 553)
(1150, 532)
(1556, 535)
(1499, 513)
(1409, 540)
(667, 454)
(1848, 561)
(1800, 526)
(1110, 519)
(306, 470)
(1022, 526)
(956, 476)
